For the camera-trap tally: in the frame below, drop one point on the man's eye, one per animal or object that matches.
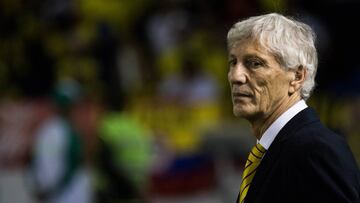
(232, 62)
(253, 63)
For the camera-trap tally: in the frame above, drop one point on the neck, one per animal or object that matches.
(259, 126)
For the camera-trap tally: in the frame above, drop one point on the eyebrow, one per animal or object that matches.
(231, 56)
(247, 56)
(255, 56)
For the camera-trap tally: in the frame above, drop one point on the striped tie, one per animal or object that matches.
(252, 163)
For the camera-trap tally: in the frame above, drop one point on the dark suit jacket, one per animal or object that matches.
(306, 163)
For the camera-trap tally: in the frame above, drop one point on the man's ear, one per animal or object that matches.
(298, 79)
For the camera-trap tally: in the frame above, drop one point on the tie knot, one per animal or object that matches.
(258, 151)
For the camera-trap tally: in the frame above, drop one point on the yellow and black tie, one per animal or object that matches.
(252, 163)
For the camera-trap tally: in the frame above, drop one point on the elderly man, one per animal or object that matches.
(272, 67)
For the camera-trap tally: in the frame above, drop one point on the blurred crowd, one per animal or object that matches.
(128, 101)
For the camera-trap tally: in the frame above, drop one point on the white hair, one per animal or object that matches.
(291, 42)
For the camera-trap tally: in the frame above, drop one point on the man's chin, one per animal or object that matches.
(242, 113)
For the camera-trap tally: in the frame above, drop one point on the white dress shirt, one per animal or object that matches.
(269, 135)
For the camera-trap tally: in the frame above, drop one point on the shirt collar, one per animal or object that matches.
(269, 135)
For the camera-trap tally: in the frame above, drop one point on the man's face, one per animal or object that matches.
(258, 83)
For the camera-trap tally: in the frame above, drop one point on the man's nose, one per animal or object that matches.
(237, 74)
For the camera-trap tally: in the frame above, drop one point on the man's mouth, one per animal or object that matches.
(242, 94)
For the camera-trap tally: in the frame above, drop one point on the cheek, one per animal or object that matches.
(280, 86)
(273, 90)
(261, 88)
(267, 91)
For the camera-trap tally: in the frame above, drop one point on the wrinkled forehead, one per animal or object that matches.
(246, 45)
(244, 48)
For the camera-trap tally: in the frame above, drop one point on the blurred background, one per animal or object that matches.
(128, 101)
